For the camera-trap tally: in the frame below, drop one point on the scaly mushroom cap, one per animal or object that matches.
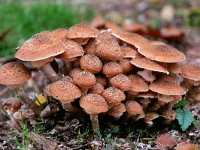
(74, 71)
(162, 53)
(14, 73)
(82, 30)
(113, 95)
(133, 108)
(12, 104)
(167, 87)
(191, 72)
(174, 68)
(90, 47)
(59, 34)
(148, 94)
(93, 104)
(112, 69)
(40, 63)
(106, 36)
(145, 63)
(129, 52)
(138, 84)
(40, 46)
(117, 110)
(121, 81)
(91, 63)
(63, 90)
(126, 65)
(109, 51)
(131, 38)
(84, 79)
(72, 50)
(97, 89)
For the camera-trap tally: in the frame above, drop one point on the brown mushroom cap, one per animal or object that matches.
(131, 38)
(148, 94)
(162, 53)
(40, 63)
(84, 79)
(82, 30)
(121, 81)
(138, 84)
(112, 69)
(144, 102)
(97, 89)
(91, 63)
(117, 110)
(90, 47)
(126, 65)
(59, 34)
(72, 50)
(93, 104)
(113, 95)
(14, 73)
(106, 36)
(191, 72)
(12, 104)
(109, 50)
(167, 87)
(147, 75)
(145, 63)
(63, 90)
(165, 98)
(74, 71)
(174, 68)
(133, 108)
(40, 46)
(129, 52)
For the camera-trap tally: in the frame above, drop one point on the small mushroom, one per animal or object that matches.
(138, 84)
(117, 111)
(129, 52)
(113, 95)
(149, 117)
(84, 79)
(121, 81)
(112, 69)
(102, 80)
(97, 89)
(126, 65)
(191, 72)
(64, 91)
(14, 75)
(94, 104)
(91, 63)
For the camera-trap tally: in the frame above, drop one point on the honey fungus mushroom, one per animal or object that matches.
(39, 48)
(64, 91)
(117, 110)
(14, 75)
(94, 104)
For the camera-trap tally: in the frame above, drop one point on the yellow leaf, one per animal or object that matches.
(40, 99)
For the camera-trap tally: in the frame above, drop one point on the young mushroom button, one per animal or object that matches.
(94, 104)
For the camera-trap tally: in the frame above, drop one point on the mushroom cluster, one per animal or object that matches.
(110, 71)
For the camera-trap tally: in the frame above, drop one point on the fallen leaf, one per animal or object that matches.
(40, 100)
(165, 140)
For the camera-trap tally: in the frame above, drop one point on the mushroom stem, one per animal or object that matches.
(49, 72)
(26, 100)
(95, 122)
(70, 108)
(14, 122)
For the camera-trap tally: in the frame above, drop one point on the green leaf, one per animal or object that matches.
(184, 118)
(181, 103)
(196, 123)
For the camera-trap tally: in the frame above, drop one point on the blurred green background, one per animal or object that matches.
(20, 19)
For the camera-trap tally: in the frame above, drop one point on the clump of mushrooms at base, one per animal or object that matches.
(108, 71)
